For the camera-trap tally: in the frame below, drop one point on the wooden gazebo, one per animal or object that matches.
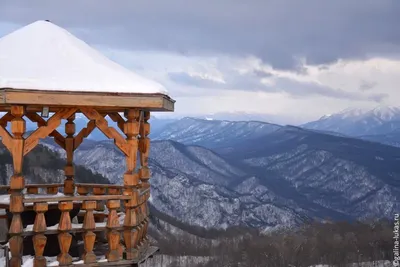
(47, 72)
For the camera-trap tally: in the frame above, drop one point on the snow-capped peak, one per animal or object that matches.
(386, 113)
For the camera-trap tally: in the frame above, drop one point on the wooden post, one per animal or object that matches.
(131, 183)
(17, 184)
(144, 149)
(64, 238)
(144, 172)
(39, 240)
(52, 190)
(69, 187)
(113, 236)
(89, 237)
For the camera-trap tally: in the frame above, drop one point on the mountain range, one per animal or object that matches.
(217, 174)
(359, 122)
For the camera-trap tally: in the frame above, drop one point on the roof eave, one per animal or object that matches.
(151, 102)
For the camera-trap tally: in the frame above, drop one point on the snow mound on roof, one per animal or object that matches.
(44, 56)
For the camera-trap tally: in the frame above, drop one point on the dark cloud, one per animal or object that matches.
(252, 82)
(277, 31)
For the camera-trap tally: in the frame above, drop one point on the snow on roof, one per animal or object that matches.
(44, 56)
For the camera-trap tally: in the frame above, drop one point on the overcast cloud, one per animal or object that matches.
(317, 56)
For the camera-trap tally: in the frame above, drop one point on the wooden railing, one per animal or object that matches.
(50, 189)
(91, 199)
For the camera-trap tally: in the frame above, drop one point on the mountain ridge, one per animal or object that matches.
(281, 178)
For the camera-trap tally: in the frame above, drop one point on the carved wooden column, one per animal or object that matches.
(144, 149)
(144, 172)
(64, 238)
(17, 184)
(39, 240)
(69, 187)
(89, 237)
(131, 182)
(113, 236)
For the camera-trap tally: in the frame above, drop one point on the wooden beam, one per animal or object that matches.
(154, 102)
(102, 125)
(45, 130)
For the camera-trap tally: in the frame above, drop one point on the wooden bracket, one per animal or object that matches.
(6, 118)
(110, 132)
(6, 138)
(45, 130)
(58, 138)
(91, 125)
(118, 119)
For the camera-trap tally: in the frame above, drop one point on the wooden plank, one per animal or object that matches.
(75, 198)
(156, 102)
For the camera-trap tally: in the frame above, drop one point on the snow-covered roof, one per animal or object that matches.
(44, 56)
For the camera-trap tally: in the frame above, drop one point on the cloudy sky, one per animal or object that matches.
(292, 60)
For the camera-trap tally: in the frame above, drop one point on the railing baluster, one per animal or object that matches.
(39, 240)
(52, 190)
(82, 190)
(99, 191)
(64, 238)
(113, 235)
(89, 237)
(33, 190)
